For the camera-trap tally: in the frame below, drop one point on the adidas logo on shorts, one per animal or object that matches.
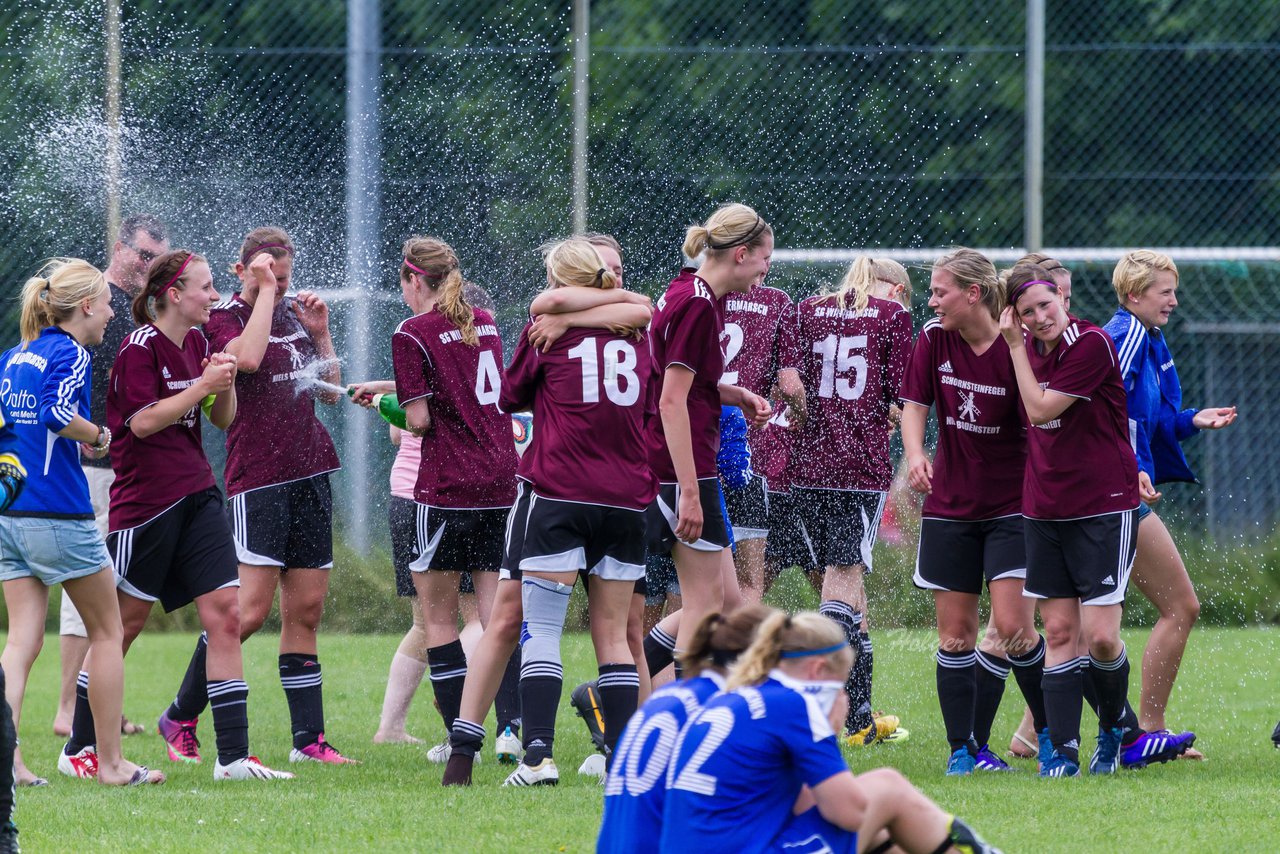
(945, 367)
(1109, 580)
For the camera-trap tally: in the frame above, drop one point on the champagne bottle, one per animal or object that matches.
(388, 407)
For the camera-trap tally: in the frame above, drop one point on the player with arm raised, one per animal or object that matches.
(849, 349)
(971, 534)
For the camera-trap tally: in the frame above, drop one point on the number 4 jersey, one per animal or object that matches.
(588, 398)
(468, 459)
(851, 363)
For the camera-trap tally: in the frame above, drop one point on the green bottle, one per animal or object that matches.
(388, 407)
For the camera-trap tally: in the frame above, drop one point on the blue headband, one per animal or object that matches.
(805, 653)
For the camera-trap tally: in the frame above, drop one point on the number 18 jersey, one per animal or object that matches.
(851, 363)
(740, 764)
(637, 784)
(468, 458)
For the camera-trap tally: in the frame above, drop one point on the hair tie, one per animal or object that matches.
(244, 259)
(177, 275)
(805, 653)
(1022, 288)
(741, 241)
(414, 267)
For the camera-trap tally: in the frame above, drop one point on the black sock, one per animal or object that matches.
(301, 678)
(619, 686)
(1129, 723)
(1090, 690)
(448, 665)
(539, 699)
(957, 687)
(1062, 697)
(506, 705)
(229, 701)
(8, 741)
(466, 737)
(1111, 678)
(659, 650)
(858, 684)
(193, 693)
(1028, 669)
(991, 672)
(82, 731)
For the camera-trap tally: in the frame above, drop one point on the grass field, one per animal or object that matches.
(1229, 692)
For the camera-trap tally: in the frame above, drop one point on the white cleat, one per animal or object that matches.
(248, 768)
(544, 773)
(593, 766)
(507, 746)
(439, 754)
(83, 764)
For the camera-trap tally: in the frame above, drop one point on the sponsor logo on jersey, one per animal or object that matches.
(945, 367)
(1051, 425)
(997, 390)
(968, 409)
(23, 405)
(1167, 365)
(179, 385)
(164, 372)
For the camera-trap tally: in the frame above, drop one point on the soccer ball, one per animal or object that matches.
(522, 430)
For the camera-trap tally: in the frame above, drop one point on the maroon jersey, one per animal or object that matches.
(587, 394)
(468, 458)
(982, 438)
(687, 326)
(851, 363)
(771, 453)
(154, 473)
(275, 437)
(1081, 463)
(752, 325)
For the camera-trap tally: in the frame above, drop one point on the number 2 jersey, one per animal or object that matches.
(636, 787)
(851, 363)
(740, 764)
(468, 458)
(587, 394)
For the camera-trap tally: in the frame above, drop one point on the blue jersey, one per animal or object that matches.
(740, 764)
(43, 385)
(637, 783)
(1153, 396)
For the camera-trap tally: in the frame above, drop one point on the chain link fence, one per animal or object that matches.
(878, 124)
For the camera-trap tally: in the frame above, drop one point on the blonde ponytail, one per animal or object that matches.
(437, 264)
(720, 638)
(782, 635)
(52, 295)
(576, 263)
(731, 226)
(858, 280)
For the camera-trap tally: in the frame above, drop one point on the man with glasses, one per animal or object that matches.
(142, 238)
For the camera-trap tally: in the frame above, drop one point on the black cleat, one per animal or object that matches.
(1275, 736)
(585, 700)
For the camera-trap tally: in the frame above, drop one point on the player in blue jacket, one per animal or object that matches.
(47, 535)
(1146, 284)
(759, 768)
(636, 787)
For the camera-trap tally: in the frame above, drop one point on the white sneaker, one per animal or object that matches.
(593, 766)
(248, 768)
(544, 774)
(507, 746)
(439, 754)
(83, 764)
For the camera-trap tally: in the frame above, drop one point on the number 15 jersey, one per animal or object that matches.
(851, 363)
(468, 458)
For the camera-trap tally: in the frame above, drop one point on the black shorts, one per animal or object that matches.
(289, 525)
(458, 540)
(185, 552)
(660, 579)
(566, 536)
(748, 510)
(787, 545)
(402, 514)
(958, 555)
(840, 524)
(1086, 559)
(662, 518)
